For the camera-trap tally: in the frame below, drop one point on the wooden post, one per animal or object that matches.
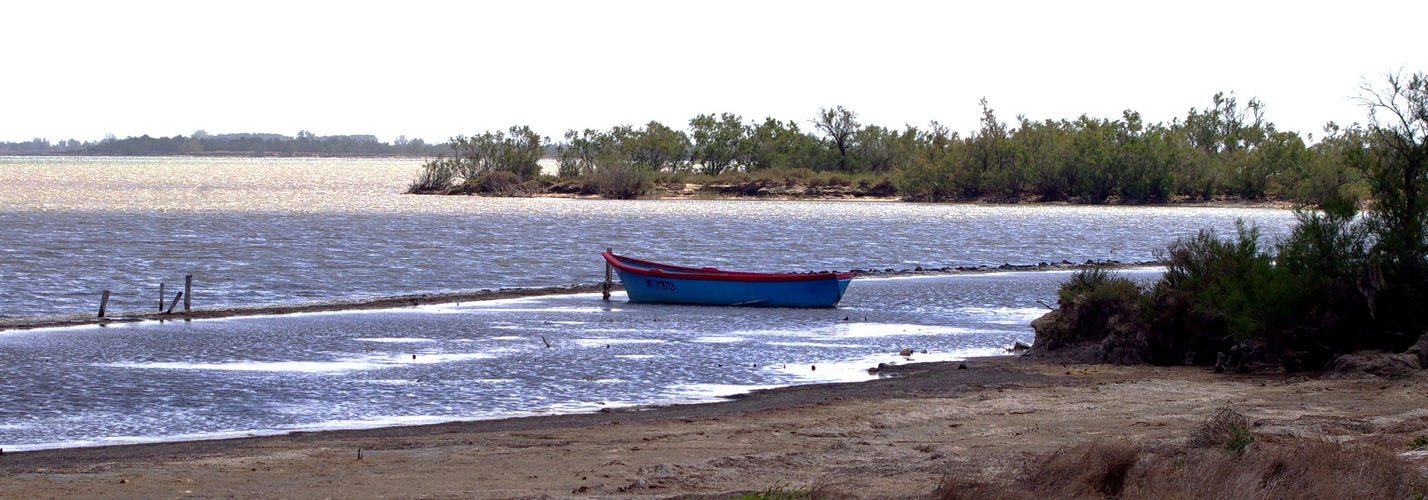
(103, 303)
(161, 296)
(187, 293)
(175, 302)
(605, 288)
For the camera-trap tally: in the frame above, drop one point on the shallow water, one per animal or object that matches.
(265, 231)
(239, 376)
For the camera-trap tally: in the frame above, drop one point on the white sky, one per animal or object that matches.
(436, 69)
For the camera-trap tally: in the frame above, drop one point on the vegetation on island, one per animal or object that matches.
(1227, 150)
(1342, 281)
(305, 143)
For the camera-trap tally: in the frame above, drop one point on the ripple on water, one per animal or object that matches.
(334, 366)
(265, 374)
(261, 233)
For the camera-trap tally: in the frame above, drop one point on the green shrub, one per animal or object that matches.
(619, 180)
(1326, 262)
(1097, 307)
(834, 179)
(435, 177)
(924, 180)
(1214, 294)
(505, 184)
(1308, 298)
(1099, 284)
(1239, 439)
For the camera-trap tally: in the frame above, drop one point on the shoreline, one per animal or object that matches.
(915, 376)
(755, 400)
(896, 436)
(699, 192)
(1219, 203)
(411, 300)
(731, 190)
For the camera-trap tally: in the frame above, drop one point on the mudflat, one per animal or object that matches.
(895, 437)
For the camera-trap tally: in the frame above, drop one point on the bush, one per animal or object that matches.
(619, 180)
(1100, 314)
(1227, 429)
(831, 179)
(1099, 285)
(883, 187)
(1326, 262)
(925, 180)
(505, 184)
(1309, 298)
(435, 177)
(1214, 295)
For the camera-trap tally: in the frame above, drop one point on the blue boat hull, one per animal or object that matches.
(823, 291)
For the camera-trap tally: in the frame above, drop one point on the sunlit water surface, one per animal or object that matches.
(266, 231)
(239, 376)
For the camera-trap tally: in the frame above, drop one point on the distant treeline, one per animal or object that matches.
(305, 143)
(1228, 149)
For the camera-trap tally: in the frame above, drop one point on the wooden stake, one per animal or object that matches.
(103, 303)
(161, 296)
(187, 293)
(175, 302)
(605, 289)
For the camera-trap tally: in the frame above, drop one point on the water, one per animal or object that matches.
(265, 231)
(239, 376)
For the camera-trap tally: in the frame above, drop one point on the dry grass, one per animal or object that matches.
(1227, 429)
(1303, 468)
(780, 492)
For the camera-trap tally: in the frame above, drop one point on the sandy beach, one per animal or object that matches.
(895, 437)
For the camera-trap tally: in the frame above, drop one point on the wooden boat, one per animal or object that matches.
(654, 282)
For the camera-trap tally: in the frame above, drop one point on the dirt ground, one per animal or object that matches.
(889, 438)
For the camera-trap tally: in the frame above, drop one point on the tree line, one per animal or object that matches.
(200, 142)
(1225, 150)
(39, 146)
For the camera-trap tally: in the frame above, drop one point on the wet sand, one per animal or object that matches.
(895, 437)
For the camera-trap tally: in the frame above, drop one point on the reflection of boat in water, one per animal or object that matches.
(653, 282)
